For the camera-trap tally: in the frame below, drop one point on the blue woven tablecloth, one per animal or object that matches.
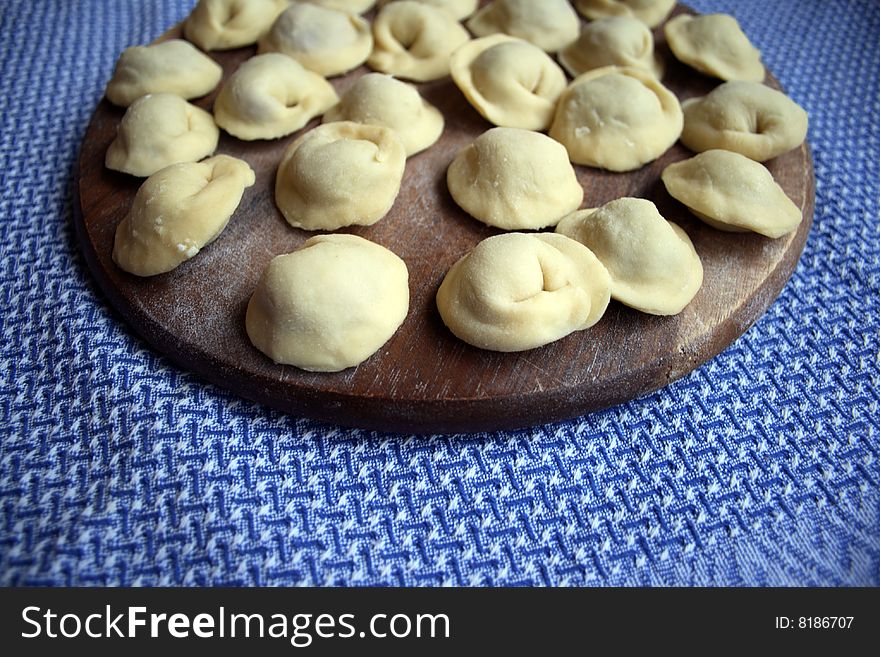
(761, 467)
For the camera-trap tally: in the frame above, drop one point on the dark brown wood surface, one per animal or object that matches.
(424, 379)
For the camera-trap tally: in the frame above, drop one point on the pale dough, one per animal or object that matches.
(514, 179)
(746, 117)
(549, 24)
(329, 305)
(340, 174)
(511, 82)
(652, 262)
(175, 66)
(158, 130)
(379, 99)
(617, 118)
(414, 40)
(460, 9)
(227, 24)
(519, 291)
(714, 44)
(731, 192)
(327, 41)
(649, 12)
(354, 6)
(618, 41)
(270, 96)
(177, 212)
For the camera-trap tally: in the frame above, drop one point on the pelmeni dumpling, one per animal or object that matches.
(511, 82)
(617, 118)
(714, 44)
(649, 12)
(379, 99)
(519, 291)
(460, 9)
(326, 41)
(174, 67)
(549, 24)
(731, 192)
(745, 117)
(354, 6)
(270, 96)
(340, 174)
(177, 212)
(514, 179)
(329, 305)
(158, 130)
(414, 40)
(619, 41)
(227, 24)
(652, 262)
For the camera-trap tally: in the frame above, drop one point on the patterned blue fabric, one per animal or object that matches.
(117, 468)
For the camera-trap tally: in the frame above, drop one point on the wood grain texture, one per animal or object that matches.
(424, 379)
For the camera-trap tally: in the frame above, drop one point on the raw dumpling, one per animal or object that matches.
(414, 40)
(714, 44)
(617, 118)
(227, 24)
(745, 117)
(158, 130)
(509, 81)
(460, 9)
(340, 174)
(326, 41)
(514, 179)
(379, 99)
(174, 67)
(652, 262)
(519, 291)
(329, 305)
(177, 212)
(354, 6)
(620, 41)
(549, 24)
(649, 12)
(270, 96)
(733, 193)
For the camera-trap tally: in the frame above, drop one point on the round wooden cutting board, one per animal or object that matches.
(424, 379)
